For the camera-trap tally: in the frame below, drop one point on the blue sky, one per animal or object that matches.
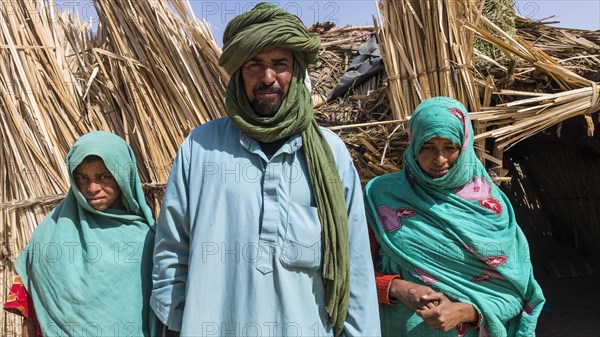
(581, 14)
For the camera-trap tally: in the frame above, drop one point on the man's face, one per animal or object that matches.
(267, 78)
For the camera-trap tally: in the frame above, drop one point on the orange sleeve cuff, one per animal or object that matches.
(462, 328)
(383, 283)
(476, 324)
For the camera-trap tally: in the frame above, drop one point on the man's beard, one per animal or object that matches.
(266, 107)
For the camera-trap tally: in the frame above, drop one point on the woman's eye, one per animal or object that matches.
(106, 177)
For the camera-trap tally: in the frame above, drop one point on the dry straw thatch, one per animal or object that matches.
(519, 119)
(363, 117)
(428, 51)
(61, 81)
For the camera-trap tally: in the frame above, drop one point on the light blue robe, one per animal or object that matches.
(238, 241)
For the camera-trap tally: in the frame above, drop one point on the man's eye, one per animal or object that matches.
(254, 67)
(280, 67)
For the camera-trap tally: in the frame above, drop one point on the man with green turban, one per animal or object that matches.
(261, 206)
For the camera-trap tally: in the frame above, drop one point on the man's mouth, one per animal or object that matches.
(267, 91)
(267, 94)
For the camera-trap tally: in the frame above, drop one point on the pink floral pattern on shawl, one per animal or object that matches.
(390, 219)
(480, 189)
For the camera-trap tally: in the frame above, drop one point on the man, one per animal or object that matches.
(254, 234)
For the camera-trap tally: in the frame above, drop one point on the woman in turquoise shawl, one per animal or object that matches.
(87, 269)
(451, 236)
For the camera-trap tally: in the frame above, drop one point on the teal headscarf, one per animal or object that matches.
(456, 233)
(265, 27)
(88, 272)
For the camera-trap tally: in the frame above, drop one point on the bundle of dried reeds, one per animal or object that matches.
(37, 108)
(520, 48)
(575, 49)
(517, 120)
(502, 13)
(164, 65)
(427, 52)
(376, 148)
(510, 122)
(149, 74)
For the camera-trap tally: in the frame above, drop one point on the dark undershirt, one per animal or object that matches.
(271, 148)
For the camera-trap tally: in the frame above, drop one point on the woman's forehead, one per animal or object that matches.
(96, 164)
(439, 140)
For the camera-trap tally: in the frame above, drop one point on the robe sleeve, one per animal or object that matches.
(363, 310)
(17, 301)
(382, 281)
(20, 303)
(171, 250)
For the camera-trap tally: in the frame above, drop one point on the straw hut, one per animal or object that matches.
(543, 91)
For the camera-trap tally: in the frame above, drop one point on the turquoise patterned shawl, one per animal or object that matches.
(456, 233)
(88, 272)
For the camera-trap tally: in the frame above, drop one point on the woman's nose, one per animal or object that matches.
(440, 157)
(94, 187)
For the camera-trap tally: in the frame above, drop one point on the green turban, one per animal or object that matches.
(265, 27)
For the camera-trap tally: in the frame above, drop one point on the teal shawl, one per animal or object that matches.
(265, 27)
(456, 233)
(88, 272)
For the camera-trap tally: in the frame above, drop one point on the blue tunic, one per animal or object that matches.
(238, 243)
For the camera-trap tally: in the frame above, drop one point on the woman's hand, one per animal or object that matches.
(447, 314)
(29, 328)
(411, 294)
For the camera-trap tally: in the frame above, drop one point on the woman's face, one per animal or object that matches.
(97, 185)
(437, 156)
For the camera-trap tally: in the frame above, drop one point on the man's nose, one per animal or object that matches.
(269, 75)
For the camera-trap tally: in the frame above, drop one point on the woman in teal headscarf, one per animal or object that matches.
(449, 235)
(87, 269)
